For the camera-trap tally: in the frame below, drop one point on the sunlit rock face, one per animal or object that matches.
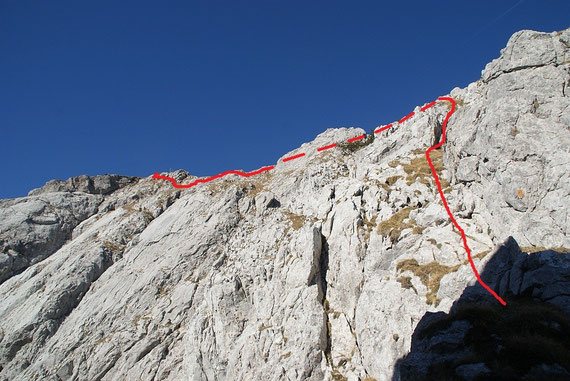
(320, 268)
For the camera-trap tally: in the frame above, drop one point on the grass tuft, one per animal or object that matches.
(430, 275)
(536, 249)
(297, 221)
(394, 226)
(113, 247)
(406, 282)
(418, 169)
(348, 148)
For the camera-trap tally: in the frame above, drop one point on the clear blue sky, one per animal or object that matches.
(137, 87)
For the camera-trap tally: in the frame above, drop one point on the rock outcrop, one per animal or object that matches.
(103, 184)
(321, 268)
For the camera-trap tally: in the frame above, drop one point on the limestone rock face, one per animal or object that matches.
(321, 268)
(34, 227)
(103, 184)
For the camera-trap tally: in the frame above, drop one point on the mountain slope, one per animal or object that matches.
(318, 269)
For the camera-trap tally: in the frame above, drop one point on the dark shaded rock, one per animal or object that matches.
(480, 339)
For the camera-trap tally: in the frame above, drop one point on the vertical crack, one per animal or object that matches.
(322, 282)
(323, 267)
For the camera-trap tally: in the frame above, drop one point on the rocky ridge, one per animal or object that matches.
(319, 269)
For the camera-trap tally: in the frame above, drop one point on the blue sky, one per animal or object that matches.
(136, 87)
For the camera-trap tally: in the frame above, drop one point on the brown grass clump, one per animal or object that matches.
(418, 168)
(348, 148)
(417, 229)
(459, 102)
(406, 282)
(392, 180)
(430, 275)
(368, 226)
(297, 221)
(284, 356)
(337, 376)
(161, 291)
(254, 187)
(263, 327)
(482, 254)
(394, 226)
(114, 247)
(130, 208)
(536, 249)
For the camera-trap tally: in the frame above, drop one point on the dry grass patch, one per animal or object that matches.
(348, 148)
(418, 168)
(434, 242)
(417, 229)
(130, 208)
(368, 226)
(114, 247)
(460, 102)
(161, 291)
(394, 226)
(337, 376)
(147, 215)
(482, 254)
(536, 249)
(430, 275)
(284, 356)
(406, 282)
(219, 186)
(254, 187)
(263, 327)
(392, 180)
(297, 221)
(394, 163)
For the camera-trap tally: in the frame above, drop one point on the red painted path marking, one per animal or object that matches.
(208, 179)
(326, 147)
(356, 138)
(434, 173)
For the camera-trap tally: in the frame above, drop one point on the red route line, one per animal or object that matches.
(428, 106)
(196, 182)
(383, 128)
(406, 117)
(434, 173)
(326, 147)
(436, 177)
(356, 138)
(294, 157)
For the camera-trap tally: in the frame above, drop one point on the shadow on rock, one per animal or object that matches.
(479, 339)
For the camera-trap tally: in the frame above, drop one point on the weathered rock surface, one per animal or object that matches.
(34, 227)
(103, 184)
(319, 269)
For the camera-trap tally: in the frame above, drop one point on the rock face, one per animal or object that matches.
(36, 226)
(104, 184)
(321, 268)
